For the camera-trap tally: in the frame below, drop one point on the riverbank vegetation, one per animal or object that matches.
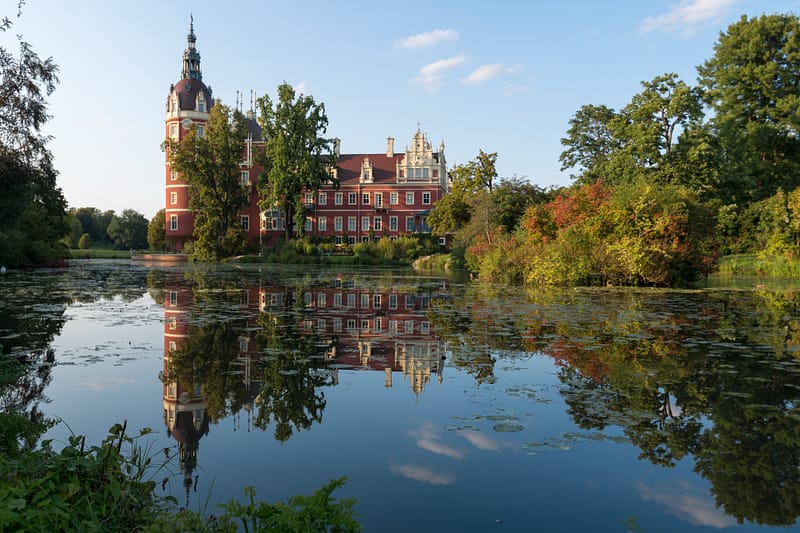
(663, 187)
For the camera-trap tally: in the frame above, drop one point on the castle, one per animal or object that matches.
(379, 194)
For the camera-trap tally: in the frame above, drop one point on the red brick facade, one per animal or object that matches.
(379, 194)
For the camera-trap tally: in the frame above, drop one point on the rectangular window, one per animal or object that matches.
(376, 301)
(409, 301)
(244, 176)
(409, 198)
(365, 198)
(393, 326)
(351, 240)
(364, 325)
(337, 325)
(409, 326)
(426, 198)
(378, 199)
(309, 198)
(417, 172)
(321, 324)
(323, 198)
(392, 301)
(337, 199)
(246, 222)
(377, 223)
(263, 222)
(424, 172)
(378, 324)
(201, 106)
(351, 324)
(337, 299)
(393, 198)
(364, 223)
(173, 132)
(173, 346)
(392, 223)
(320, 299)
(173, 222)
(364, 301)
(322, 224)
(351, 300)
(442, 241)
(365, 238)
(337, 223)
(308, 226)
(425, 328)
(173, 198)
(338, 239)
(173, 175)
(351, 198)
(351, 223)
(307, 296)
(200, 131)
(409, 223)
(173, 298)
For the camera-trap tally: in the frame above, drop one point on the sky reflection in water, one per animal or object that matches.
(448, 405)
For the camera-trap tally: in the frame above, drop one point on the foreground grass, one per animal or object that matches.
(753, 265)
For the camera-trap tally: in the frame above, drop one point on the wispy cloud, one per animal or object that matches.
(301, 88)
(421, 473)
(688, 16)
(427, 439)
(512, 89)
(479, 440)
(688, 503)
(430, 75)
(483, 73)
(423, 40)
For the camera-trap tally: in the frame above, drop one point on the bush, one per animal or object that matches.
(85, 242)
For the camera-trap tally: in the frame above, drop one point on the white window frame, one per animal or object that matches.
(338, 198)
(426, 198)
(410, 198)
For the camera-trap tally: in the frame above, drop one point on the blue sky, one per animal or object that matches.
(502, 76)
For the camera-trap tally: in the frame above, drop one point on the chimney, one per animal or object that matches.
(337, 144)
(389, 146)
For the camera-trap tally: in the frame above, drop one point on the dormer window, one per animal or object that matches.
(366, 171)
(201, 103)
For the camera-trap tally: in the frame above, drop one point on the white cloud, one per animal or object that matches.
(480, 441)
(422, 40)
(688, 16)
(427, 439)
(430, 75)
(483, 73)
(301, 88)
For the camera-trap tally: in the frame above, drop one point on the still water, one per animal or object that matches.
(448, 405)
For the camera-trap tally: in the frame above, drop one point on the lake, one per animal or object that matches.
(449, 405)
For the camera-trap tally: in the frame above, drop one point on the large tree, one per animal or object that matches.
(751, 83)
(209, 161)
(129, 230)
(157, 231)
(589, 143)
(33, 207)
(296, 156)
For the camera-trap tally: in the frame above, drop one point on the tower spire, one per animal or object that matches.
(191, 57)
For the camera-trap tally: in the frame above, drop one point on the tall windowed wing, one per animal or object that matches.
(173, 222)
(245, 222)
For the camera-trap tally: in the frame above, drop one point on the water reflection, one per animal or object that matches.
(268, 348)
(711, 375)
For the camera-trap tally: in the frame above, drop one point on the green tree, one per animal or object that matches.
(296, 158)
(751, 85)
(511, 199)
(210, 163)
(129, 230)
(589, 143)
(75, 230)
(157, 231)
(85, 242)
(33, 207)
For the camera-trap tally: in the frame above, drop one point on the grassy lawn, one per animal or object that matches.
(103, 251)
(752, 265)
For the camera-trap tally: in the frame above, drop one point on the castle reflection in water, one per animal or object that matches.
(352, 324)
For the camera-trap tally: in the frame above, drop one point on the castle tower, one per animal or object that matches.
(188, 103)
